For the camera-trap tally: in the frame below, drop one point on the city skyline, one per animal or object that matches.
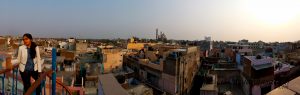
(230, 20)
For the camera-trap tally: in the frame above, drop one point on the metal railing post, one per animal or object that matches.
(17, 81)
(2, 78)
(62, 81)
(14, 81)
(44, 82)
(54, 71)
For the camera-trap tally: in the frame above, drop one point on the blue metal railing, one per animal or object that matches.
(15, 81)
(2, 87)
(54, 71)
(5, 75)
(52, 75)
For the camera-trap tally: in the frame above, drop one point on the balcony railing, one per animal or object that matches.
(6, 74)
(51, 74)
(41, 81)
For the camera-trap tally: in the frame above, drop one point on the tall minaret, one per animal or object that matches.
(156, 33)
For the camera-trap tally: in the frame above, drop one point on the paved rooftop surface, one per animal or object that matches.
(110, 86)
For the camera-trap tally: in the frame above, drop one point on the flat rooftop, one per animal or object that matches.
(108, 85)
(290, 88)
(263, 62)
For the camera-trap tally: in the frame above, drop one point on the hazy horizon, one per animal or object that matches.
(230, 20)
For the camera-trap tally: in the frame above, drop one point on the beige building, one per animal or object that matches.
(81, 47)
(169, 69)
(112, 59)
(3, 44)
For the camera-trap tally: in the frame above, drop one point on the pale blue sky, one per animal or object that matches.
(180, 19)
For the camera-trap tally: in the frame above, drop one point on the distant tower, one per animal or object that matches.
(156, 33)
(160, 33)
(209, 40)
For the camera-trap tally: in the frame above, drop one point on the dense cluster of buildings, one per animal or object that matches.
(256, 67)
(164, 67)
(167, 68)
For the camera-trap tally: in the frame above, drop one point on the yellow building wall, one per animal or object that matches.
(136, 46)
(113, 61)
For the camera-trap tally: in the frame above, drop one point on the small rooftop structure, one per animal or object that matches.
(260, 62)
(282, 67)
